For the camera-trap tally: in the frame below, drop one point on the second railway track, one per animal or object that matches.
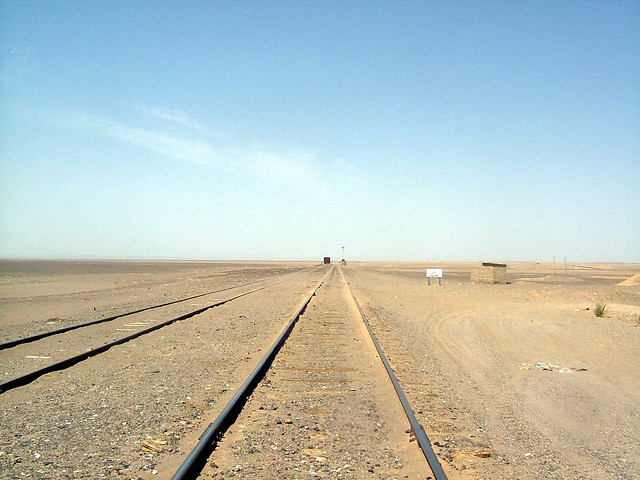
(40, 335)
(26, 361)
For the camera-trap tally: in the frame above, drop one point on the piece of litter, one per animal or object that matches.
(37, 356)
(480, 454)
(547, 366)
(553, 368)
(153, 445)
(483, 454)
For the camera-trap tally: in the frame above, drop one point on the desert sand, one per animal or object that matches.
(509, 381)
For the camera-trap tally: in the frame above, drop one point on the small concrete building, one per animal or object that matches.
(490, 273)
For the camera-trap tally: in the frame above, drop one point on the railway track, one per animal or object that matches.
(40, 336)
(318, 403)
(100, 335)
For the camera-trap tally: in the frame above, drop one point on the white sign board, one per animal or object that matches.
(434, 273)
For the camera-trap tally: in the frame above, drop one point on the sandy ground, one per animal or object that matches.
(465, 354)
(468, 354)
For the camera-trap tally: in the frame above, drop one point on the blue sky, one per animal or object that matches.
(256, 130)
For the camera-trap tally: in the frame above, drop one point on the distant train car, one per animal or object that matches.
(327, 260)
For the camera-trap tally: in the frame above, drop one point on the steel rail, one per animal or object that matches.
(193, 464)
(420, 434)
(68, 362)
(40, 336)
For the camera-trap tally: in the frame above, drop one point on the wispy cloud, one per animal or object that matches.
(178, 117)
(198, 152)
(293, 168)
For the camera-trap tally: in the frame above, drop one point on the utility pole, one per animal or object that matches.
(343, 253)
(565, 267)
(554, 265)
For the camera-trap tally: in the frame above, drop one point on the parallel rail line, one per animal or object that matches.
(68, 362)
(197, 458)
(40, 336)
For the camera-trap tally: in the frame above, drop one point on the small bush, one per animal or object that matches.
(600, 309)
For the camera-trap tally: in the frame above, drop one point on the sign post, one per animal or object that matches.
(434, 273)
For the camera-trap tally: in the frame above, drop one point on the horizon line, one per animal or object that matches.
(220, 260)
